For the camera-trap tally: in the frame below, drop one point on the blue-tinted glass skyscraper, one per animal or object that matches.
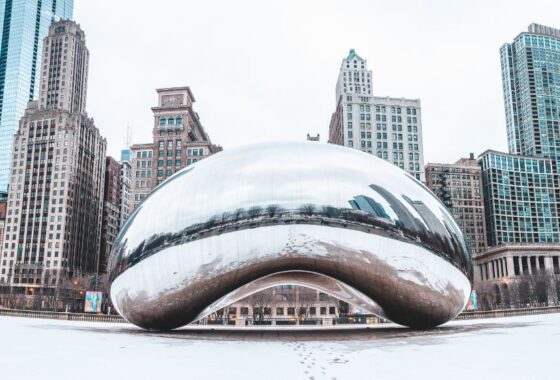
(531, 83)
(23, 26)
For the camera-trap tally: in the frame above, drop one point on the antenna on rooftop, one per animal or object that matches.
(128, 137)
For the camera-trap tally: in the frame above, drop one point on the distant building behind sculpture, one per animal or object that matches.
(283, 305)
(142, 173)
(521, 198)
(459, 186)
(111, 210)
(530, 73)
(390, 128)
(518, 275)
(178, 141)
(126, 173)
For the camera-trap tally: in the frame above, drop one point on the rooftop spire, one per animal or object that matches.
(353, 55)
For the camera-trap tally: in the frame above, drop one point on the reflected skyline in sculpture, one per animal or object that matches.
(283, 207)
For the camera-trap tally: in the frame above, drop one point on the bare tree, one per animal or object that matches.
(273, 210)
(260, 303)
(308, 209)
(254, 211)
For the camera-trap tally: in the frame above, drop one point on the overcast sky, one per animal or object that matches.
(267, 70)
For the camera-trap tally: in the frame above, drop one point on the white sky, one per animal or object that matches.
(267, 70)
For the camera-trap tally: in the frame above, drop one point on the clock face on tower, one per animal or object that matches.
(171, 100)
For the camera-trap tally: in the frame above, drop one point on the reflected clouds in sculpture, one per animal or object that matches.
(258, 215)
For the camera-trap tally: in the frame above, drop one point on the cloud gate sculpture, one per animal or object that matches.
(320, 215)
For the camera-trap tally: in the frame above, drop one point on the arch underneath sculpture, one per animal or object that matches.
(312, 280)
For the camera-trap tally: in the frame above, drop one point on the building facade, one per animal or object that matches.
(517, 275)
(141, 175)
(23, 26)
(3, 204)
(284, 305)
(459, 186)
(126, 175)
(531, 86)
(521, 198)
(178, 141)
(179, 138)
(111, 210)
(55, 200)
(390, 128)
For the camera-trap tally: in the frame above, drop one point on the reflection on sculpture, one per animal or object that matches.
(326, 216)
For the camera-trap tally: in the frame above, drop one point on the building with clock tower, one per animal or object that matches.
(178, 140)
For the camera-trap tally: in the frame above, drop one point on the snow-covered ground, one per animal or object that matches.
(508, 348)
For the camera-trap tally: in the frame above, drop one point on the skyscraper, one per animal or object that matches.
(521, 198)
(531, 85)
(55, 200)
(23, 25)
(390, 128)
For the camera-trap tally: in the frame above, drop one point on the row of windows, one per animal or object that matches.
(171, 120)
(382, 109)
(144, 154)
(290, 311)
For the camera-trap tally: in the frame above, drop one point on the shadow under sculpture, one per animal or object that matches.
(324, 216)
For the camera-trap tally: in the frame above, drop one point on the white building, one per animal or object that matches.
(390, 128)
(126, 175)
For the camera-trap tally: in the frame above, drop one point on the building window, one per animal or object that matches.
(162, 121)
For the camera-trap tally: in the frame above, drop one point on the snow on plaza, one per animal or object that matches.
(514, 348)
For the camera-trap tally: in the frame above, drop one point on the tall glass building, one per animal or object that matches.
(23, 25)
(521, 198)
(531, 84)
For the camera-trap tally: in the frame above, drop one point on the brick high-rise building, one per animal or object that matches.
(390, 128)
(178, 141)
(179, 138)
(111, 210)
(55, 200)
(459, 186)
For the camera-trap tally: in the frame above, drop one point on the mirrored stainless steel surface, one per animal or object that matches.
(235, 221)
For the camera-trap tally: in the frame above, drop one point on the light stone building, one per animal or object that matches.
(141, 179)
(126, 174)
(55, 199)
(517, 275)
(390, 128)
